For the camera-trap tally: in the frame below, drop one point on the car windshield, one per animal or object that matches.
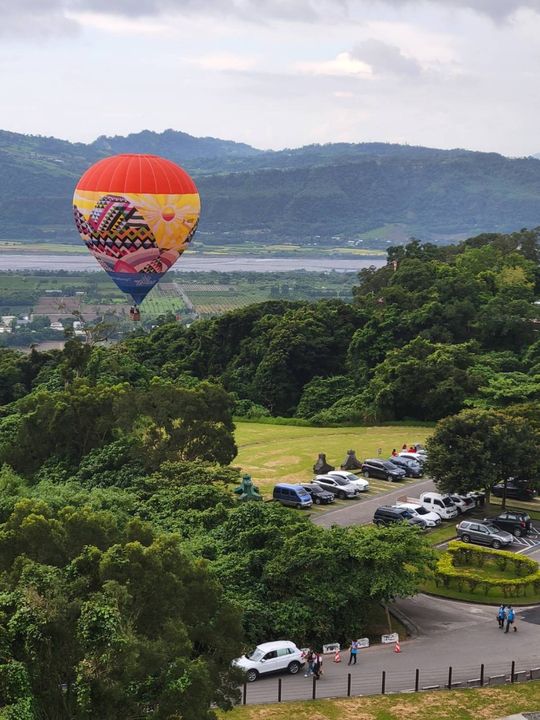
(351, 477)
(341, 481)
(422, 511)
(255, 655)
(447, 502)
(492, 530)
(388, 465)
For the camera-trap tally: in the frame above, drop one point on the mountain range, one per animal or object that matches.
(368, 194)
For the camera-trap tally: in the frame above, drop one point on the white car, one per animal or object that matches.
(418, 457)
(271, 657)
(463, 503)
(432, 519)
(361, 483)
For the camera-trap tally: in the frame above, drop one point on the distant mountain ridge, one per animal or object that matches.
(371, 194)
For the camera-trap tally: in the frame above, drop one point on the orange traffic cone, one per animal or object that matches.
(397, 648)
(337, 656)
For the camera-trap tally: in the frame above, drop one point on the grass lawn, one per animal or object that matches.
(492, 598)
(287, 453)
(481, 703)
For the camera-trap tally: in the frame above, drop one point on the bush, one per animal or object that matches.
(449, 575)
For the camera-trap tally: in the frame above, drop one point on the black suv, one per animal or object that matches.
(412, 469)
(382, 469)
(515, 522)
(386, 515)
(514, 489)
(319, 495)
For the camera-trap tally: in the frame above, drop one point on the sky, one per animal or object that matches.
(276, 73)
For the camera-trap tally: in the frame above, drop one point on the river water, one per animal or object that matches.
(197, 263)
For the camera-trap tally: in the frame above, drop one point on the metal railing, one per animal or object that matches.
(279, 689)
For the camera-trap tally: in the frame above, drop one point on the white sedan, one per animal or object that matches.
(430, 518)
(361, 483)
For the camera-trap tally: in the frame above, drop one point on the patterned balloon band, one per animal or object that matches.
(136, 237)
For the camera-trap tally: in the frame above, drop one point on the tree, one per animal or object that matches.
(84, 633)
(478, 448)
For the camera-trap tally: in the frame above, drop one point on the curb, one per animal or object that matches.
(412, 629)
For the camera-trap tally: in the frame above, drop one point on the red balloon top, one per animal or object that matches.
(132, 173)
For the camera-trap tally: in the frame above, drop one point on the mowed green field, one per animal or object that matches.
(286, 453)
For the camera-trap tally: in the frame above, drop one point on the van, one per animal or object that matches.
(293, 495)
(440, 504)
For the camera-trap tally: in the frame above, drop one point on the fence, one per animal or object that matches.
(278, 689)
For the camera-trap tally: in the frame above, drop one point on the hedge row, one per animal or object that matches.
(448, 575)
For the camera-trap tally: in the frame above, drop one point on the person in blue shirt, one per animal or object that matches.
(501, 616)
(510, 617)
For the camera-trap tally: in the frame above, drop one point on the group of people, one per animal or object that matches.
(313, 663)
(410, 449)
(506, 615)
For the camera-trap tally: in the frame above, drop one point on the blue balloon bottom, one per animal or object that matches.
(138, 285)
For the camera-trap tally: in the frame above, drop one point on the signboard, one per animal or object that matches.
(331, 648)
(391, 638)
(363, 642)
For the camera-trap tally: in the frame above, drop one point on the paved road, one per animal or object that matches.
(450, 633)
(359, 512)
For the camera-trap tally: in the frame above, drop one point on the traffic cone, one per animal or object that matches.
(337, 657)
(397, 648)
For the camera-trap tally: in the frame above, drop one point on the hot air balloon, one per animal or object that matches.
(136, 214)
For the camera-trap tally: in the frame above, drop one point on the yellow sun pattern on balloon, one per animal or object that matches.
(172, 218)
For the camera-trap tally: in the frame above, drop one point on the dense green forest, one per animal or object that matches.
(130, 576)
(321, 195)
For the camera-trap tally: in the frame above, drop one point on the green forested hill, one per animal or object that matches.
(374, 192)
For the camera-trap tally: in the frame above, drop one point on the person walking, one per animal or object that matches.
(309, 656)
(501, 616)
(510, 617)
(317, 665)
(353, 652)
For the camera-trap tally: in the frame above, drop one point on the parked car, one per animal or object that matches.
(412, 468)
(319, 495)
(513, 521)
(382, 469)
(271, 657)
(441, 504)
(430, 518)
(337, 485)
(483, 533)
(515, 489)
(417, 457)
(463, 503)
(293, 495)
(363, 485)
(387, 515)
(477, 496)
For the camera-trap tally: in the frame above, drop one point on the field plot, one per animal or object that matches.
(162, 299)
(285, 453)
(56, 308)
(216, 299)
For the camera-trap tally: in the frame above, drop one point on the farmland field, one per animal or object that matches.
(286, 453)
(164, 298)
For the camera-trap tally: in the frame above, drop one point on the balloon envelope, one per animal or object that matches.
(136, 214)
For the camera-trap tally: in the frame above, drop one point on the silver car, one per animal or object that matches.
(483, 534)
(337, 485)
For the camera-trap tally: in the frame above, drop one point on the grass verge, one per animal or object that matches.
(474, 704)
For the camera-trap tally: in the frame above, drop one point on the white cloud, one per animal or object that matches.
(224, 62)
(342, 65)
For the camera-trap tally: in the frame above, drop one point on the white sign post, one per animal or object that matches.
(331, 648)
(363, 642)
(390, 638)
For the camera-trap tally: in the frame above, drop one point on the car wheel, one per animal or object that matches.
(518, 532)
(298, 506)
(294, 667)
(496, 545)
(317, 501)
(366, 473)
(341, 495)
(465, 538)
(252, 675)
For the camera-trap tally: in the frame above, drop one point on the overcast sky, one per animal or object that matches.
(276, 73)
